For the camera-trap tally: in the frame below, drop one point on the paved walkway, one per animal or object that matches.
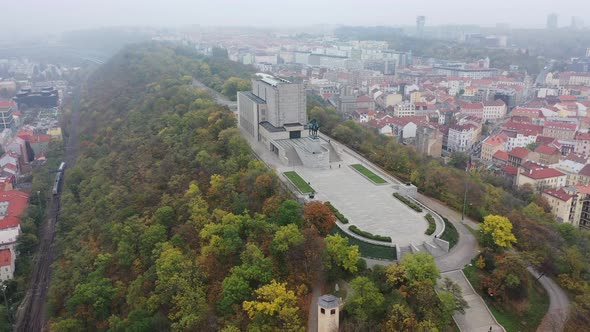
(477, 318)
(559, 304)
(467, 247)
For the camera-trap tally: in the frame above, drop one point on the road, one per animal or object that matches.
(31, 313)
(219, 98)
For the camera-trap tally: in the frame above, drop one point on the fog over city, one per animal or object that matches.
(295, 165)
(55, 16)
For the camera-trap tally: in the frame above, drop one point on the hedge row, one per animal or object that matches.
(409, 203)
(450, 234)
(337, 213)
(431, 224)
(368, 235)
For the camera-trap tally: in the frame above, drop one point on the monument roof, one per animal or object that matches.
(328, 301)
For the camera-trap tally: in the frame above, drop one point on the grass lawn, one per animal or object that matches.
(450, 234)
(298, 181)
(366, 172)
(368, 250)
(529, 320)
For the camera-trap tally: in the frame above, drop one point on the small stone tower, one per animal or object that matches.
(328, 313)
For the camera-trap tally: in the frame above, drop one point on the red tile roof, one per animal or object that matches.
(580, 136)
(497, 102)
(561, 125)
(582, 188)
(567, 98)
(544, 139)
(17, 202)
(502, 155)
(6, 103)
(539, 174)
(495, 140)
(559, 194)
(546, 149)
(363, 99)
(5, 257)
(9, 222)
(465, 105)
(519, 152)
(523, 128)
(509, 169)
(585, 171)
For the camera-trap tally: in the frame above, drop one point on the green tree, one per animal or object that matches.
(365, 301)
(232, 85)
(420, 267)
(255, 270)
(286, 237)
(289, 213)
(341, 254)
(179, 284)
(500, 229)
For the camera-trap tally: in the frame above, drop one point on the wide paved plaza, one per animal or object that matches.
(370, 207)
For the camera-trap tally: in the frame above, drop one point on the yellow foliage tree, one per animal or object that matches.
(275, 309)
(500, 228)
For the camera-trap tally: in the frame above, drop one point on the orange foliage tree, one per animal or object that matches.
(320, 216)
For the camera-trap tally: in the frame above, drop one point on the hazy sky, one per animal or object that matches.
(74, 14)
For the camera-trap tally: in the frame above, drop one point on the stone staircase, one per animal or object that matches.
(403, 250)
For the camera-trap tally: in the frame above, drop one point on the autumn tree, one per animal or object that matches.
(341, 254)
(274, 309)
(320, 216)
(510, 279)
(499, 228)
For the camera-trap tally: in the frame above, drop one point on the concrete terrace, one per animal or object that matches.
(370, 207)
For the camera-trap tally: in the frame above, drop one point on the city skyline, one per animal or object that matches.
(266, 13)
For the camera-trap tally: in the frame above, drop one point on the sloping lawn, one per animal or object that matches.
(368, 173)
(298, 181)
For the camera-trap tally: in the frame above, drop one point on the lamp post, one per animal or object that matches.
(464, 201)
(39, 202)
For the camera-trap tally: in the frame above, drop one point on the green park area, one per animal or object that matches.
(298, 181)
(368, 173)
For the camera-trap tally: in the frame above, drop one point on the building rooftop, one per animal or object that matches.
(519, 152)
(9, 222)
(540, 174)
(328, 301)
(559, 194)
(268, 126)
(253, 97)
(546, 149)
(502, 155)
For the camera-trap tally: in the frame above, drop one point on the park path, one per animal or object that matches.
(559, 304)
(477, 318)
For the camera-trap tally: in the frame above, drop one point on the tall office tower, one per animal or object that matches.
(552, 21)
(420, 22)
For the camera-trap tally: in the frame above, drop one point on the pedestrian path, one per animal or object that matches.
(477, 318)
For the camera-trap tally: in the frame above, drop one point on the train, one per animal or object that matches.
(58, 175)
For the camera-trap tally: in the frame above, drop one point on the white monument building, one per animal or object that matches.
(274, 114)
